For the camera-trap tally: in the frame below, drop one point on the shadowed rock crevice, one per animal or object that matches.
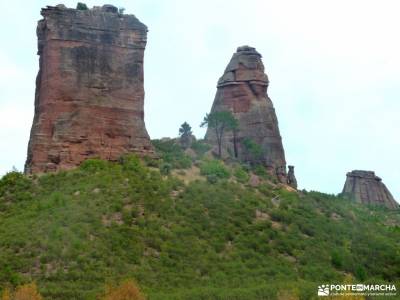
(89, 89)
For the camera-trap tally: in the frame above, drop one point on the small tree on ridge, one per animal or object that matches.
(221, 122)
(185, 132)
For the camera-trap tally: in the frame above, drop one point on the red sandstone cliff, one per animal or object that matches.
(89, 89)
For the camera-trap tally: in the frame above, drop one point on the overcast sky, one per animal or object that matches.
(334, 70)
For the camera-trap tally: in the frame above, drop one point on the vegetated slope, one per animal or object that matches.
(220, 238)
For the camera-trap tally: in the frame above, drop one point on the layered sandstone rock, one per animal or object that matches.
(243, 90)
(291, 178)
(89, 89)
(365, 187)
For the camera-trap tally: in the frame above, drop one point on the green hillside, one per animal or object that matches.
(186, 227)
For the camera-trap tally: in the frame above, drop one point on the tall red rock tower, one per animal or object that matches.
(242, 90)
(89, 89)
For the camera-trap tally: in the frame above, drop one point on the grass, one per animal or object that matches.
(75, 232)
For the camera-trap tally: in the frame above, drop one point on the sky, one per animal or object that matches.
(334, 70)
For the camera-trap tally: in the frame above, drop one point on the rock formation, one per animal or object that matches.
(365, 187)
(89, 89)
(242, 90)
(291, 178)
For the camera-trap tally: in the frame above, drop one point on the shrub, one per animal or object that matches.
(27, 292)
(151, 162)
(185, 162)
(94, 164)
(127, 290)
(200, 147)
(360, 273)
(241, 175)
(6, 295)
(81, 6)
(337, 259)
(212, 178)
(165, 168)
(260, 171)
(214, 167)
(17, 184)
(172, 153)
(266, 189)
(132, 162)
(253, 149)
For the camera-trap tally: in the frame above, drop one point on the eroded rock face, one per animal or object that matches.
(365, 187)
(243, 91)
(291, 178)
(89, 89)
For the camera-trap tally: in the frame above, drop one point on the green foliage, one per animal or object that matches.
(261, 171)
(185, 130)
(360, 273)
(172, 153)
(151, 162)
(212, 178)
(14, 182)
(93, 165)
(132, 163)
(253, 149)
(200, 147)
(165, 168)
(214, 168)
(220, 122)
(105, 222)
(81, 6)
(186, 135)
(337, 259)
(241, 175)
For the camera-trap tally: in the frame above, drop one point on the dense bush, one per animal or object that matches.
(132, 163)
(13, 182)
(241, 175)
(171, 152)
(105, 222)
(254, 150)
(15, 187)
(214, 168)
(93, 165)
(200, 147)
(81, 6)
(127, 290)
(24, 292)
(165, 168)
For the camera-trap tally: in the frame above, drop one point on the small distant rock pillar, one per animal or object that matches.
(89, 89)
(367, 188)
(242, 90)
(291, 178)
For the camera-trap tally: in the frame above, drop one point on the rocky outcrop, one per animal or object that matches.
(367, 188)
(291, 178)
(242, 90)
(89, 89)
